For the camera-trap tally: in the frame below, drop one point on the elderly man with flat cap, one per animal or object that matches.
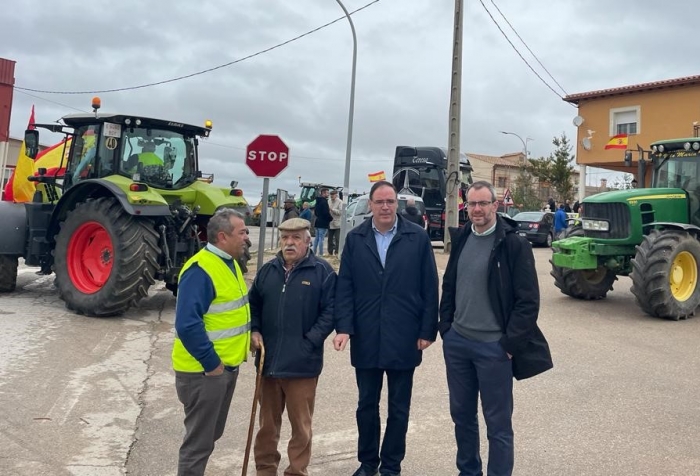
(291, 304)
(290, 210)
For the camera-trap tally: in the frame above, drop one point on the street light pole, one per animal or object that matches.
(524, 141)
(348, 149)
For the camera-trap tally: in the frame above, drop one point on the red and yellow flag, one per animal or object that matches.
(50, 158)
(23, 189)
(377, 176)
(617, 142)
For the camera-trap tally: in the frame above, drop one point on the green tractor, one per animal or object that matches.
(309, 192)
(128, 208)
(651, 235)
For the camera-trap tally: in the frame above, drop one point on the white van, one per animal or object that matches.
(359, 211)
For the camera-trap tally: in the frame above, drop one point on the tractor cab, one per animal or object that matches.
(677, 165)
(154, 152)
(309, 192)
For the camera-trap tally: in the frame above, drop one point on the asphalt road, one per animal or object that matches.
(86, 396)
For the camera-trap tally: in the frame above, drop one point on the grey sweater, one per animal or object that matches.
(474, 317)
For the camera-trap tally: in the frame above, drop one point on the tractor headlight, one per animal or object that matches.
(696, 146)
(596, 225)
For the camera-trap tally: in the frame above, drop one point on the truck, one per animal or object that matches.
(130, 207)
(422, 171)
(649, 234)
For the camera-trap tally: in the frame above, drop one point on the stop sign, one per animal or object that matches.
(267, 156)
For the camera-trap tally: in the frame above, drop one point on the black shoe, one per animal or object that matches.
(365, 470)
(390, 474)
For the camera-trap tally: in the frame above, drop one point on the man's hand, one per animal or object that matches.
(423, 344)
(340, 341)
(217, 371)
(510, 357)
(256, 341)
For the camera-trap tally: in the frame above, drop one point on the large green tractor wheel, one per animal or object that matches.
(105, 259)
(586, 284)
(8, 273)
(665, 274)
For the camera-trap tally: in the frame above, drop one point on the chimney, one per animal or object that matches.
(604, 183)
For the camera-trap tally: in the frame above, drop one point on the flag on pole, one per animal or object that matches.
(23, 189)
(617, 142)
(377, 176)
(50, 158)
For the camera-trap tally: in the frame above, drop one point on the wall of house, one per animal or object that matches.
(663, 114)
(482, 170)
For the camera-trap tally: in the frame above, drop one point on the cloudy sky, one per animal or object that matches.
(300, 91)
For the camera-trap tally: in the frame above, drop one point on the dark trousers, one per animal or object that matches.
(206, 401)
(484, 368)
(393, 448)
(333, 240)
(298, 396)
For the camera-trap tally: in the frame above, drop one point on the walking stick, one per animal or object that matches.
(256, 398)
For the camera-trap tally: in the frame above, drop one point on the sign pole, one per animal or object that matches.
(263, 223)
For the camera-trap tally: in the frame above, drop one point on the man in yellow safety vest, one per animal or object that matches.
(212, 325)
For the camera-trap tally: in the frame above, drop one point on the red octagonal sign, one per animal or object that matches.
(267, 156)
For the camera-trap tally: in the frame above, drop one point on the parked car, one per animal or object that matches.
(359, 211)
(537, 227)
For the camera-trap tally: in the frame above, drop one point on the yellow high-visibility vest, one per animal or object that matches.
(227, 321)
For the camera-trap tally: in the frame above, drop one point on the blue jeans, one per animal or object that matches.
(484, 368)
(318, 240)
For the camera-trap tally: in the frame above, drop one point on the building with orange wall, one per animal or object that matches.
(646, 112)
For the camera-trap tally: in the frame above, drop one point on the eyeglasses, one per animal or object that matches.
(482, 204)
(381, 203)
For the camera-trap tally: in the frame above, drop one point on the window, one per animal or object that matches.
(625, 120)
(501, 182)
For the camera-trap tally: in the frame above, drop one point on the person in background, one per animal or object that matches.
(291, 302)
(560, 222)
(306, 212)
(488, 323)
(412, 214)
(567, 207)
(212, 337)
(323, 220)
(386, 304)
(336, 208)
(290, 210)
(576, 206)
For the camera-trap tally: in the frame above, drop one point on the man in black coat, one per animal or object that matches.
(412, 214)
(386, 304)
(323, 220)
(291, 306)
(488, 323)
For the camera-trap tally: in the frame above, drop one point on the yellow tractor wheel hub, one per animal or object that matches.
(684, 276)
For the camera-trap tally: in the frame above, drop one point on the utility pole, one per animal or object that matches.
(453, 152)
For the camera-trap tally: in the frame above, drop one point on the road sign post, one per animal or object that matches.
(267, 156)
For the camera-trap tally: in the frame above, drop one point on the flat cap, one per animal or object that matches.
(290, 200)
(294, 224)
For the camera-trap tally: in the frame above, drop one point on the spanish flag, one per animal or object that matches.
(53, 159)
(23, 189)
(377, 176)
(617, 142)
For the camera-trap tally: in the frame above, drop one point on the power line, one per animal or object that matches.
(518, 52)
(204, 71)
(528, 48)
(53, 102)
